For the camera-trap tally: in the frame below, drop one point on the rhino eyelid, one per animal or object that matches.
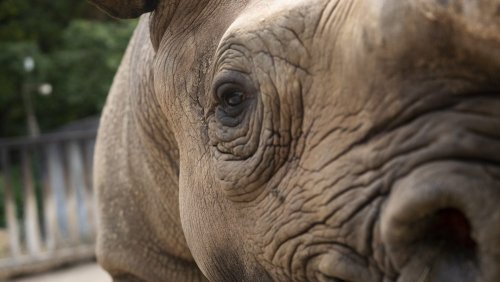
(238, 79)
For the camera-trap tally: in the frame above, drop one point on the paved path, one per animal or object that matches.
(89, 272)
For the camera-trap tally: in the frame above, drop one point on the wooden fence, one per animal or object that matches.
(48, 201)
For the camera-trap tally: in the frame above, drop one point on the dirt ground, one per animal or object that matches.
(80, 273)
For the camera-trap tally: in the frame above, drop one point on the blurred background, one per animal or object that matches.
(57, 62)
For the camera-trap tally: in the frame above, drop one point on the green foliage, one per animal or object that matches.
(83, 70)
(39, 21)
(76, 49)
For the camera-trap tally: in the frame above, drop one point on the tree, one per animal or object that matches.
(76, 49)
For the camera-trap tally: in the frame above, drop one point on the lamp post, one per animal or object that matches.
(31, 120)
(45, 89)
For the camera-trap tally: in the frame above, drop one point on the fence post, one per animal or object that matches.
(10, 206)
(32, 227)
(53, 191)
(89, 146)
(77, 188)
(79, 184)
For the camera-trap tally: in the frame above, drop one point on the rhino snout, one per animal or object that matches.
(442, 223)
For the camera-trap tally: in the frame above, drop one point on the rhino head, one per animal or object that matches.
(307, 140)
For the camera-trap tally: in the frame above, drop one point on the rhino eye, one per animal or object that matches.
(233, 98)
(230, 95)
(234, 92)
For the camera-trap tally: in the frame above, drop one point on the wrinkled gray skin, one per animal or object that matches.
(305, 140)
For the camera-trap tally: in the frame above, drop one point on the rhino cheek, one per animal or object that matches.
(213, 228)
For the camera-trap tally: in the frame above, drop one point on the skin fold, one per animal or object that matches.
(307, 140)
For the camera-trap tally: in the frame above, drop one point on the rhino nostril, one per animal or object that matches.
(442, 220)
(451, 228)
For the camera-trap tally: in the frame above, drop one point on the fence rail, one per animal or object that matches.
(48, 201)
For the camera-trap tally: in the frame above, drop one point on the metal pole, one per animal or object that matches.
(31, 120)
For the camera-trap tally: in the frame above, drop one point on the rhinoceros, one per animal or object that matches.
(303, 140)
